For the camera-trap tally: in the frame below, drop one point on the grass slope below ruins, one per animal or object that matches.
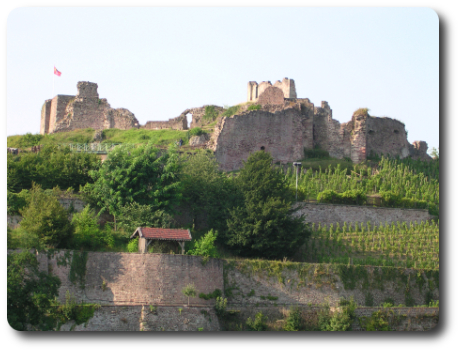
(132, 136)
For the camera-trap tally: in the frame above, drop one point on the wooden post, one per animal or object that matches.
(182, 245)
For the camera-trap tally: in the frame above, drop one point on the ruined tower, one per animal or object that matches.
(287, 86)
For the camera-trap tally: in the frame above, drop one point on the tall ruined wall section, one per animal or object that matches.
(85, 110)
(386, 136)
(280, 133)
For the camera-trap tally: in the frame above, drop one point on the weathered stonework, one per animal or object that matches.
(85, 110)
(287, 86)
(331, 214)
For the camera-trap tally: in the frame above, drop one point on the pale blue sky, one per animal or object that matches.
(157, 62)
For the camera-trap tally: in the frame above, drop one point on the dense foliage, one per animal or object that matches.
(45, 218)
(51, 167)
(30, 293)
(143, 175)
(263, 225)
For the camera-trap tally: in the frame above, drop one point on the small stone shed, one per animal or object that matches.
(149, 234)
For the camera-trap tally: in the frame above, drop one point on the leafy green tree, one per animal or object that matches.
(88, 235)
(134, 215)
(208, 191)
(205, 245)
(189, 291)
(143, 174)
(264, 225)
(30, 293)
(47, 219)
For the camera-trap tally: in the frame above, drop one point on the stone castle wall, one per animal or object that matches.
(84, 110)
(240, 135)
(287, 86)
(331, 214)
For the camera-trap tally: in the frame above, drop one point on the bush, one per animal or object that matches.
(254, 107)
(258, 324)
(205, 246)
(233, 110)
(133, 245)
(210, 113)
(196, 131)
(354, 197)
(294, 320)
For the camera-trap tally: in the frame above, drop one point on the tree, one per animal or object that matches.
(205, 245)
(208, 191)
(143, 174)
(46, 218)
(189, 291)
(30, 293)
(52, 166)
(264, 226)
(134, 215)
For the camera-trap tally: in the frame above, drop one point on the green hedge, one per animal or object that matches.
(347, 197)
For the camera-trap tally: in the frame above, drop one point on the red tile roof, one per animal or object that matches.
(163, 234)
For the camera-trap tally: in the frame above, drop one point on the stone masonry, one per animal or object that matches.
(331, 214)
(84, 110)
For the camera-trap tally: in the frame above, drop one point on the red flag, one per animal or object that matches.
(56, 72)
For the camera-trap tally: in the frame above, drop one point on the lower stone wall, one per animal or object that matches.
(148, 318)
(328, 214)
(401, 319)
(255, 282)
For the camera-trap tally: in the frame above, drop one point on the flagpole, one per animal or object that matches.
(52, 96)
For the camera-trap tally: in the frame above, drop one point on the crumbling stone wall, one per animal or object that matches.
(331, 214)
(85, 110)
(385, 136)
(177, 123)
(418, 150)
(280, 133)
(45, 120)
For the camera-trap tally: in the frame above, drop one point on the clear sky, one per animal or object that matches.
(157, 62)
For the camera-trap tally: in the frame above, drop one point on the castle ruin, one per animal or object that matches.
(285, 126)
(273, 119)
(84, 110)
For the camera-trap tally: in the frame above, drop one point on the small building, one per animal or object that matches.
(173, 238)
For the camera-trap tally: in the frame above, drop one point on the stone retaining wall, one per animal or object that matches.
(334, 213)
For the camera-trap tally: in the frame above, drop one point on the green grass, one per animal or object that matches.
(133, 136)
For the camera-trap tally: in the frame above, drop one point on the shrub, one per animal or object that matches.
(133, 245)
(196, 131)
(210, 113)
(258, 324)
(294, 320)
(254, 107)
(205, 246)
(233, 110)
